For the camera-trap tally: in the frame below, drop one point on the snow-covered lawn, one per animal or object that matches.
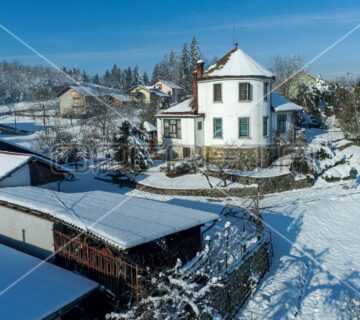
(317, 256)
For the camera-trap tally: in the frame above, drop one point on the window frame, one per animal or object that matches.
(248, 127)
(249, 93)
(265, 125)
(199, 128)
(284, 116)
(266, 91)
(172, 130)
(221, 95)
(214, 128)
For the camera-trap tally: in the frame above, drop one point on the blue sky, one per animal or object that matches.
(96, 34)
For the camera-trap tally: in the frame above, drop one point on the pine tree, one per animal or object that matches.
(107, 79)
(195, 53)
(85, 77)
(156, 75)
(136, 77)
(145, 78)
(174, 66)
(128, 79)
(186, 69)
(96, 79)
(115, 77)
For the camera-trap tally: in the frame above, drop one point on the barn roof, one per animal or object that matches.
(43, 293)
(237, 63)
(122, 221)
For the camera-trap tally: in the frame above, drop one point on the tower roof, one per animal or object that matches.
(237, 63)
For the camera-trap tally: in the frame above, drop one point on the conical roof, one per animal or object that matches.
(237, 63)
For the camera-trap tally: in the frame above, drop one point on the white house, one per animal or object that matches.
(231, 116)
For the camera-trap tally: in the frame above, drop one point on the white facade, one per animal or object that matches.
(234, 104)
(231, 109)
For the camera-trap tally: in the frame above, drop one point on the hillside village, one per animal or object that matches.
(215, 198)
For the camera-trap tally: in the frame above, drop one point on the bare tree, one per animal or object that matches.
(286, 70)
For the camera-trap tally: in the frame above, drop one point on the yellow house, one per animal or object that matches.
(76, 100)
(150, 95)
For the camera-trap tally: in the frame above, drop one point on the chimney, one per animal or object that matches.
(197, 74)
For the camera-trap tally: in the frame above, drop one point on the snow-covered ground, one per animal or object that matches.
(315, 232)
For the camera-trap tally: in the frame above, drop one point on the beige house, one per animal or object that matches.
(76, 100)
(150, 95)
(170, 88)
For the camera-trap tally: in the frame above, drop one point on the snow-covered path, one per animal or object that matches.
(317, 270)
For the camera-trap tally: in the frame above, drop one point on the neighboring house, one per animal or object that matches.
(150, 95)
(232, 116)
(118, 249)
(47, 293)
(300, 79)
(170, 88)
(79, 100)
(151, 133)
(18, 169)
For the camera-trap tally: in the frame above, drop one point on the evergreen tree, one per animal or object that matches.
(186, 69)
(174, 67)
(85, 77)
(107, 79)
(195, 53)
(136, 77)
(96, 79)
(128, 81)
(145, 79)
(156, 75)
(115, 77)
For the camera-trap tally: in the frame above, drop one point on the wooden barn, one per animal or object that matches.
(116, 240)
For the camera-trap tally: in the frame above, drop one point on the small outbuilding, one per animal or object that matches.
(47, 291)
(18, 169)
(113, 239)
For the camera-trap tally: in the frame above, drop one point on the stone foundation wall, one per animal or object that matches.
(237, 287)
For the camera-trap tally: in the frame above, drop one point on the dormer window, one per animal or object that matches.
(244, 91)
(266, 91)
(217, 92)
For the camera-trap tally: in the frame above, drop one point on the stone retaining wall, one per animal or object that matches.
(238, 286)
(266, 185)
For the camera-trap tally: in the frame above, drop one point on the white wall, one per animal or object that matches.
(20, 177)
(230, 109)
(26, 232)
(187, 132)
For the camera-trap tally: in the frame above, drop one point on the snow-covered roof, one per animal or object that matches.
(43, 292)
(182, 107)
(279, 103)
(155, 91)
(170, 84)
(10, 161)
(149, 127)
(237, 63)
(122, 221)
(121, 97)
(90, 89)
